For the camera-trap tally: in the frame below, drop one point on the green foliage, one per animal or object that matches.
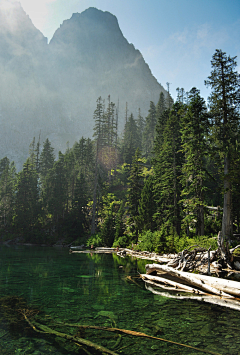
(167, 172)
(147, 206)
(131, 139)
(123, 241)
(46, 158)
(149, 131)
(27, 204)
(95, 240)
(194, 129)
(134, 192)
(161, 242)
(7, 192)
(150, 241)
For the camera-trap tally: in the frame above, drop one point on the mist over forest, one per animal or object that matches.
(51, 89)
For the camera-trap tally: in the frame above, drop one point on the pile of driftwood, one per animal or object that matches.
(173, 275)
(204, 260)
(205, 288)
(194, 258)
(178, 274)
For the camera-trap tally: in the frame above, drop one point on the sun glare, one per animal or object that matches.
(37, 11)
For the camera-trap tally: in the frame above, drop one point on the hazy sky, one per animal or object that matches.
(177, 38)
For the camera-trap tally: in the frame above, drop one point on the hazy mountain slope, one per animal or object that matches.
(93, 58)
(24, 96)
(52, 88)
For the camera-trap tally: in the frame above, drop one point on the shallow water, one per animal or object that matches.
(94, 290)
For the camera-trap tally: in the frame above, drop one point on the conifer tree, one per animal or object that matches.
(55, 190)
(27, 205)
(147, 206)
(119, 222)
(131, 140)
(140, 126)
(194, 129)
(149, 131)
(224, 102)
(134, 192)
(161, 106)
(79, 204)
(168, 169)
(47, 157)
(7, 191)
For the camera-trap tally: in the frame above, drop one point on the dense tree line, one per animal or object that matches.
(169, 178)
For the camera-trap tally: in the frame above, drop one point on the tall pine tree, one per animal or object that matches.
(224, 102)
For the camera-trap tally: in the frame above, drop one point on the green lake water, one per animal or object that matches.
(94, 290)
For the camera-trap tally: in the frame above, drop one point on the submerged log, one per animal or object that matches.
(40, 328)
(197, 281)
(138, 334)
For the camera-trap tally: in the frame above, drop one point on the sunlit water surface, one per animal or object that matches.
(94, 290)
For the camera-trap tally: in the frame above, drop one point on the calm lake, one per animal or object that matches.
(94, 290)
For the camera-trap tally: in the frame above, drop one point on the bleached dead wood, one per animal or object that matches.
(232, 250)
(230, 303)
(189, 260)
(228, 286)
(224, 251)
(91, 251)
(177, 286)
(187, 278)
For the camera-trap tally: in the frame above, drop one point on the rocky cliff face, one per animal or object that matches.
(52, 88)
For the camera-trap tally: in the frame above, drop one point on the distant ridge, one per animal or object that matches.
(53, 87)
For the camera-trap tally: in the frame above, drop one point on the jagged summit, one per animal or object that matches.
(90, 34)
(104, 18)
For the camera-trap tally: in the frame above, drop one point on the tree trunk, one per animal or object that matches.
(201, 220)
(93, 226)
(94, 202)
(226, 219)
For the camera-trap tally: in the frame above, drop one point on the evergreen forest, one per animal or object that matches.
(170, 180)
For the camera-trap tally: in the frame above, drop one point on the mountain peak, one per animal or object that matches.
(94, 14)
(90, 25)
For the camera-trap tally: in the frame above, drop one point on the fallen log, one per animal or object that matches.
(177, 286)
(190, 279)
(228, 286)
(213, 299)
(168, 288)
